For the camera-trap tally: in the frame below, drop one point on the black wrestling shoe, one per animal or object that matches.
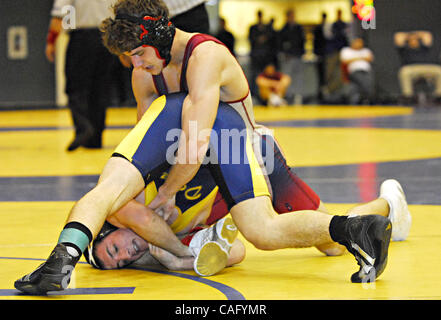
(367, 238)
(52, 275)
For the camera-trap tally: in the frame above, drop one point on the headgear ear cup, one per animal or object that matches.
(157, 32)
(89, 253)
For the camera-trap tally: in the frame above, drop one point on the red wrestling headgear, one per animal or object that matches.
(157, 32)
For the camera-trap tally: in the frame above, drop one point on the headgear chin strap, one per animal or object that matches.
(157, 32)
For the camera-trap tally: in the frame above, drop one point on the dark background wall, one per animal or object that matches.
(400, 15)
(29, 81)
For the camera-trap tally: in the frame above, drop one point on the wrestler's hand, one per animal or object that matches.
(164, 257)
(161, 198)
(163, 204)
(169, 260)
(168, 209)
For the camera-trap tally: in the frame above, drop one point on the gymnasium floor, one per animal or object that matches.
(344, 153)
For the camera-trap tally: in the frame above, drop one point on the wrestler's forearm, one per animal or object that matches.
(183, 263)
(159, 233)
(149, 226)
(179, 175)
(237, 255)
(148, 262)
(199, 112)
(169, 260)
(193, 145)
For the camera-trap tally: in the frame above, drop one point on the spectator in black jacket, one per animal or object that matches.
(292, 42)
(340, 32)
(338, 40)
(260, 40)
(320, 43)
(273, 43)
(225, 36)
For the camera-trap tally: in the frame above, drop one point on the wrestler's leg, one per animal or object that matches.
(119, 183)
(378, 206)
(237, 253)
(330, 248)
(291, 193)
(268, 230)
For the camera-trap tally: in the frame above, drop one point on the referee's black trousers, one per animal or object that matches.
(88, 78)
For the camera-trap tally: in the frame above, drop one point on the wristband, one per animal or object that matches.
(52, 37)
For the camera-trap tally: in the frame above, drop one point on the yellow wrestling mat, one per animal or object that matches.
(326, 112)
(412, 271)
(25, 153)
(127, 116)
(33, 143)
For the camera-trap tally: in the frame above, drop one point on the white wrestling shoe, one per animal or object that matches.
(399, 214)
(211, 247)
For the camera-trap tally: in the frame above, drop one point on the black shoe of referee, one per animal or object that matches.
(367, 237)
(52, 275)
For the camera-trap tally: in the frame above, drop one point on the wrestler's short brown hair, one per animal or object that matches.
(121, 35)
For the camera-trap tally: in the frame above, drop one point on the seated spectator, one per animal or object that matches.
(414, 50)
(272, 86)
(356, 62)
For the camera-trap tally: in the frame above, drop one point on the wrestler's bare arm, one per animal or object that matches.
(132, 216)
(149, 226)
(144, 221)
(159, 257)
(143, 90)
(170, 261)
(204, 79)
